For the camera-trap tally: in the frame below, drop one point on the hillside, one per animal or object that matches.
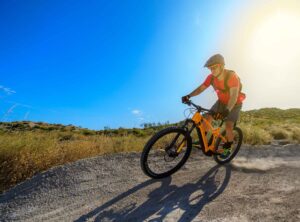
(272, 115)
(27, 148)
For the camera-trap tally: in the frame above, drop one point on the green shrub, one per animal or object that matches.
(65, 137)
(87, 132)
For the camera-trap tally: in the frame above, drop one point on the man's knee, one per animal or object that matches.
(229, 125)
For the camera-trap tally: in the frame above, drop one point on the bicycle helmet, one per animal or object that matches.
(215, 59)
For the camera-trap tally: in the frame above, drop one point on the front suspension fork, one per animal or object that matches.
(182, 142)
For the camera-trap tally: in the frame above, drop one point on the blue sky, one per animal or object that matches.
(107, 62)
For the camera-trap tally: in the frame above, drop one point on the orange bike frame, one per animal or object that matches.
(198, 119)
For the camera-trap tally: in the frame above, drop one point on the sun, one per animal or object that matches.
(265, 51)
(275, 41)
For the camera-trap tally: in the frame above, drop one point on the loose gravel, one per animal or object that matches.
(261, 184)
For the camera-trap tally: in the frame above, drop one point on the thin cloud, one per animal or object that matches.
(139, 115)
(136, 112)
(19, 104)
(7, 91)
(26, 115)
(9, 111)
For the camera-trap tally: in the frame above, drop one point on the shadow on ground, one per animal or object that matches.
(187, 200)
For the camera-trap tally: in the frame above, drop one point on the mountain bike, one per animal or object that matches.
(168, 150)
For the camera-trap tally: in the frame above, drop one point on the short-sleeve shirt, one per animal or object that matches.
(224, 97)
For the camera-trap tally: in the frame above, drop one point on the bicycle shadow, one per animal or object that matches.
(189, 199)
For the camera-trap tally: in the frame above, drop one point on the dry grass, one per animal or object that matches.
(292, 131)
(255, 135)
(279, 133)
(23, 154)
(296, 134)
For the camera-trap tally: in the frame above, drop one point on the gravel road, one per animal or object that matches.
(261, 184)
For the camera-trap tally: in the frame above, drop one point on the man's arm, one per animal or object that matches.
(234, 93)
(197, 91)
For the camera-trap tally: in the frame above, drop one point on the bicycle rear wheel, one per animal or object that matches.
(237, 142)
(161, 157)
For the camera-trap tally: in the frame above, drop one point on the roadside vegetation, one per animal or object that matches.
(27, 148)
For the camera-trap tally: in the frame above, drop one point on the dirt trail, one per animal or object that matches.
(262, 184)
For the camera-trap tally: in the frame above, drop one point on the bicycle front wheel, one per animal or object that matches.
(166, 152)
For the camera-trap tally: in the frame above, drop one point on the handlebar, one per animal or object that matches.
(199, 108)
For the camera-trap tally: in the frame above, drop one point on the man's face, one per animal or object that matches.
(215, 69)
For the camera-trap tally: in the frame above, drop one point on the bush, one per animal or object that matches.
(65, 137)
(296, 134)
(139, 132)
(279, 133)
(254, 135)
(87, 132)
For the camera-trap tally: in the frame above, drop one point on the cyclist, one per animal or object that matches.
(227, 85)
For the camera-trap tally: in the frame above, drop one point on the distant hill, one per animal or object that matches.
(30, 126)
(273, 113)
(257, 116)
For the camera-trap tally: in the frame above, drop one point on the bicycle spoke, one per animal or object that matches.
(167, 152)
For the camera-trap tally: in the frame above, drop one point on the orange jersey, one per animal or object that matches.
(219, 86)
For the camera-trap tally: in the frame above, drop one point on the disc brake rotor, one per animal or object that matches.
(170, 154)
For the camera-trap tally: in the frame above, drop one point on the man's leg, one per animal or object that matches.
(215, 108)
(229, 130)
(229, 124)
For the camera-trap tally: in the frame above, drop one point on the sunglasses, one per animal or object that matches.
(213, 67)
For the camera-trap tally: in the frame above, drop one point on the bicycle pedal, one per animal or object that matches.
(220, 151)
